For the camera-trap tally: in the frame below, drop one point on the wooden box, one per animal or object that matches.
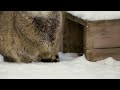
(102, 40)
(98, 40)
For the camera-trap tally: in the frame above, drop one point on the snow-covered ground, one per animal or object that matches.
(96, 15)
(70, 67)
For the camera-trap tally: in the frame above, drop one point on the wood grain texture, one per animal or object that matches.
(75, 19)
(104, 34)
(102, 40)
(73, 37)
(101, 54)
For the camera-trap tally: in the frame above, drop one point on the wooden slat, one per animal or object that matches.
(103, 34)
(76, 37)
(75, 19)
(66, 36)
(101, 54)
(73, 37)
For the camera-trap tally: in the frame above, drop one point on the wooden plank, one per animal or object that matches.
(103, 34)
(101, 22)
(101, 54)
(75, 19)
(107, 37)
(66, 37)
(76, 37)
(73, 37)
(88, 40)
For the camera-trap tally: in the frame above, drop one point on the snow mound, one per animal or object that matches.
(96, 15)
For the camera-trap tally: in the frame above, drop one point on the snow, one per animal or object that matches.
(96, 15)
(70, 67)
